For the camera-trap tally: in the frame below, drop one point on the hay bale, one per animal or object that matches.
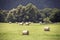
(27, 23)
(16, 22)
(46, 29)
(21, 23)
(25, 32)
(10, 22)
(40, 22)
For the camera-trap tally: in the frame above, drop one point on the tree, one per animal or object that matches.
(3, 14)
(30, 13)
(55, 16)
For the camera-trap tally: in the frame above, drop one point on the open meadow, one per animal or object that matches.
(13, 31)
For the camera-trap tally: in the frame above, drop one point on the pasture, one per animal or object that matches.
(13, 31)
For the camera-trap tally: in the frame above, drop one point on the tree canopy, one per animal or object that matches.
(30, 13)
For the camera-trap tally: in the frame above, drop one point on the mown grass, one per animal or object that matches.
(36, 32)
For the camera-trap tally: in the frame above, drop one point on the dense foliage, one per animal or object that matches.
(30, 13)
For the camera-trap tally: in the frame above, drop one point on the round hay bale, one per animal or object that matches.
(10, 22)
(40, 22)
(21, 23)
(46, 29)
(25, 32)
(16, 22)
(27, 23)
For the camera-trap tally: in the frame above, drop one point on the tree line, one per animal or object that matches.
(30, 13)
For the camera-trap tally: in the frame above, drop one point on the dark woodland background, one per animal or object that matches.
(30, 11)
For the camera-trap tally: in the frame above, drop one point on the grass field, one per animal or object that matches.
(36, 32)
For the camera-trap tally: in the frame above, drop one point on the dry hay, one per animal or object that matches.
(10, 22)
(46, 28)
(25, 32)
(16, 22)
(27, 23)
(21, 23)
(40, 22)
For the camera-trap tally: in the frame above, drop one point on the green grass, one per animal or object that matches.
(36, 32)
